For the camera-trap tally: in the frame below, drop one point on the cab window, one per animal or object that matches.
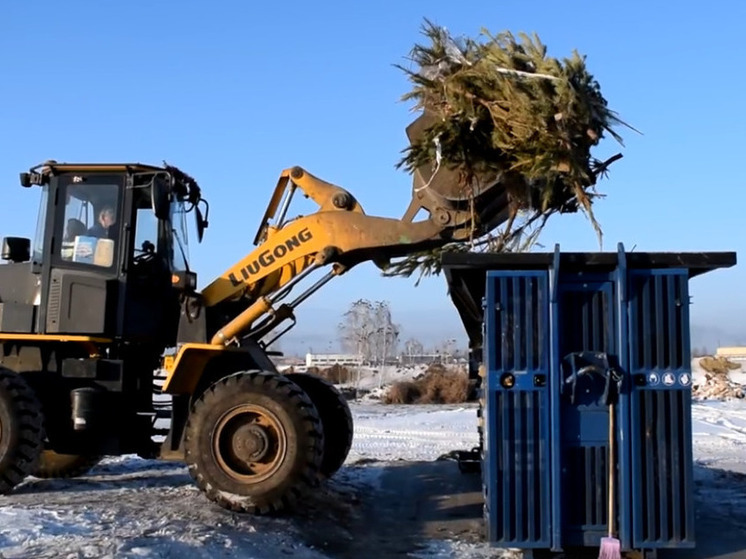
(90, 226)
(41, 223)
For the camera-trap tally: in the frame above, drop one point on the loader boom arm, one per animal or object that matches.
(339, 233)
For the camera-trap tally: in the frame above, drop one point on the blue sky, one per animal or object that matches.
(234, 92)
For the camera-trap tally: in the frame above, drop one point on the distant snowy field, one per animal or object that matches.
(133, 508)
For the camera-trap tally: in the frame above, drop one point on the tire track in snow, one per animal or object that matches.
(720, 420)
(371, 432)
(393, 438)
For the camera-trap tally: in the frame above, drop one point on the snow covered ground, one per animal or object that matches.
(411, 432)
(128, 507)
(133, 508)
(719, 430)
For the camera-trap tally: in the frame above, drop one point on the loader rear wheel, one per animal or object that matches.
(254, 442)
(54, 465)
(21, 433)
(336, 419)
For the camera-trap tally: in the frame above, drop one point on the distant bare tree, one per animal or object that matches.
(386, 333)
(413, 347)
(367, 329)
(357, 328)
(446, 349)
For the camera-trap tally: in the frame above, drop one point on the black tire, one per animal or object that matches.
(276, 443)
(336, 419)
(54, 465)
(21, 433)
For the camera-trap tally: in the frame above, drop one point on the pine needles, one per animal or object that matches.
(503, 108)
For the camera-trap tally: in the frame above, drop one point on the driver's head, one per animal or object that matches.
(106, 217)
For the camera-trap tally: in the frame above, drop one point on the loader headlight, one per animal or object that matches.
(186, 281)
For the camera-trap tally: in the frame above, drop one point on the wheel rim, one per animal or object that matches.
(249, 443)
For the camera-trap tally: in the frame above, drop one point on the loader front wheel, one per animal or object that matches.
(254, 442)
(54, 465)
(336, 419)
(21, 435)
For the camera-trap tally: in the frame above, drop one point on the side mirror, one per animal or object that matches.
(202, 222)
(160, 191)
(16, 249)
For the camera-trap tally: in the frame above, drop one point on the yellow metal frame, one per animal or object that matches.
(184, 370)
(339, 232)
(298, 241)
(316, 189)
(53, 338)
(53, 166)
(91, 343)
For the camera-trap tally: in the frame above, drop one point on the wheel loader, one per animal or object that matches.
(104, 336)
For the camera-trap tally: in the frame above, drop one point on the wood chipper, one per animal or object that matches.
(584, 369)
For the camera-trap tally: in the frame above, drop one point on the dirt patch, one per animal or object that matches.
(438, 385)
(408, 504)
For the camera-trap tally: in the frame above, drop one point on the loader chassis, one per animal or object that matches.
(103, 331)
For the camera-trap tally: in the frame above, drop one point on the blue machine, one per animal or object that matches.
(561, 339)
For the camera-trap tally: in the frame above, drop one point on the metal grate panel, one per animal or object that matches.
(520, 302)
(586, 323)
(662, 493)
(586, 320)
(658, 325)
(516, 469)
(660, 414)
(587, 506)
(519, 498)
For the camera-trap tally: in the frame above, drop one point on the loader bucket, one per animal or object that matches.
(443, 188)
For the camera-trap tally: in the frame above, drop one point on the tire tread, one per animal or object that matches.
(27, 421)
(335, 416)
(283, 390)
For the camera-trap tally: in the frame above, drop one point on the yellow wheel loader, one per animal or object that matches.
(100, 318)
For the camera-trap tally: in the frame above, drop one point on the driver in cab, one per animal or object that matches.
(104, 226)
(106, 231)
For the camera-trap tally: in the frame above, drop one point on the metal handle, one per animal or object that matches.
(612, 469)
(594, 363)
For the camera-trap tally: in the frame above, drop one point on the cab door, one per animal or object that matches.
(150, 309)
(82, 273)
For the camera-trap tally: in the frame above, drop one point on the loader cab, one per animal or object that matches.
(111, 250)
